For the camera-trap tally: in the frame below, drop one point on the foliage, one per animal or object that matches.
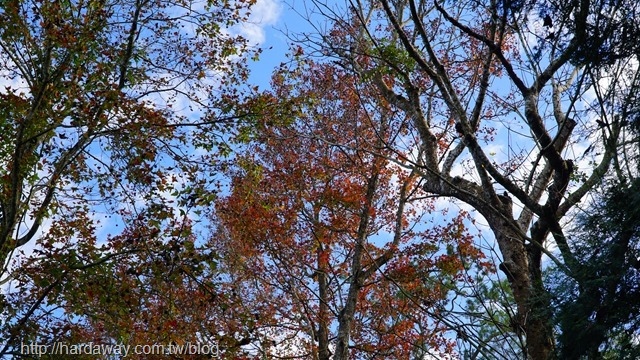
(324, 233)
(144, 198)
(516, 109)
(96, 135)
(599, 314)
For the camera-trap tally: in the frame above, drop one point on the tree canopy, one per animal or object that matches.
(421, 179)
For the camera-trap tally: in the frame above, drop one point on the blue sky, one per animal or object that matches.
(264, 28)
(267, 26)
(272, 21)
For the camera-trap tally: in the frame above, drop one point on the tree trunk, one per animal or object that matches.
(522, 267)
(323, 308)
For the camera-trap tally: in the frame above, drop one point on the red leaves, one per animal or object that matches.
(97, 141)
(312, 190)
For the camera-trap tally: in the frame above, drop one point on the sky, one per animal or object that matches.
(264, 29)
(267, 27)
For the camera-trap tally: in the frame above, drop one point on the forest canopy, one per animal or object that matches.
(419, 180)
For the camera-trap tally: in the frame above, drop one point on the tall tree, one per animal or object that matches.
(97, 121)
(596, 317)
(504, 97)
(324, 231)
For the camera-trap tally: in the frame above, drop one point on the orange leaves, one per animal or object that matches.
(315, 209)
(99, 138)
(323, 259)
(295, 221)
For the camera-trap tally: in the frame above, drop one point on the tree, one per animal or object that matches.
(94, 130)
(321, 230)
(489, 314)
(168, 292)
(526, 80)
(599, 312)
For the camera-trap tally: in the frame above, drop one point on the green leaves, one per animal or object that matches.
(97, 148)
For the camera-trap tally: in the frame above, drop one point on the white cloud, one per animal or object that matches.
(263, 13)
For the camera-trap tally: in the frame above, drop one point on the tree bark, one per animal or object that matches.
(345, 318)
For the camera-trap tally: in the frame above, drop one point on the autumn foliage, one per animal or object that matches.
(103, 166)
(401, 190)
(317, 208)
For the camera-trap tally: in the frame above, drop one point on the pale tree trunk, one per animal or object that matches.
(361, 272)
(345, 318)
(323, 308)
